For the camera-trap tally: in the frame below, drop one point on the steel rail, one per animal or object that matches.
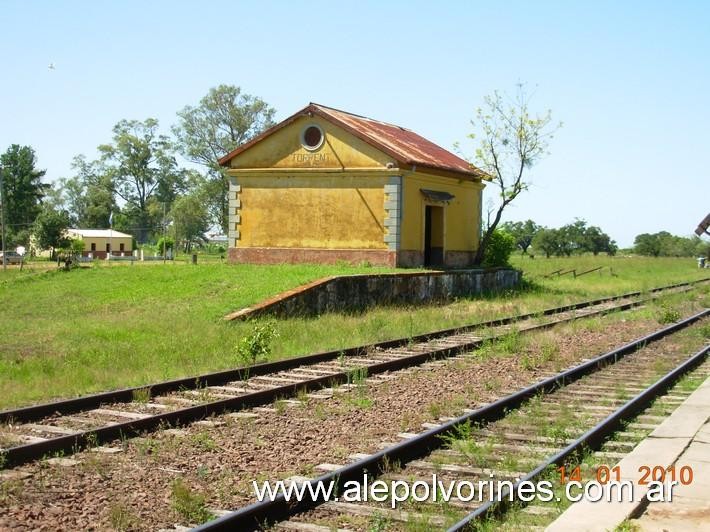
(591, 440)
(88, 402)
(14, 456)
(260, 514)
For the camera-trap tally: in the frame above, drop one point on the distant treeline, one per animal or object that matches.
(574, 238)
(579, 237)
(664, 244)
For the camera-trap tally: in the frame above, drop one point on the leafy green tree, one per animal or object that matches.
(679, 246)
(511, 141)
(223, 120)
(24, 191)
(164, 244)
(522, 232)
(191, 219)
(577, 237)
(100, 203)
(547, 241)
(71, 250)
(647, 244)
(664, 244)
(54, 197)
(670, 245)
(49, 229)
(597, 241)
(702, 248)
(89, 195)
(698, 247)
(140, 166)
(573, 237)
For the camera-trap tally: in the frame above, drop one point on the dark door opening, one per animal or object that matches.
(433, 236)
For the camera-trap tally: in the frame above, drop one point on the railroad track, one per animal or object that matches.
(67, 426)
(517, 438)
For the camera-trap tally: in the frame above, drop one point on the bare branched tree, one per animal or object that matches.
(511, 141)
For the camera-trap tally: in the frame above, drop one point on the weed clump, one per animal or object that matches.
(121, 518)
(358, 378)
(257, 346)
(667, 315)
(190, 506)
(141, 395)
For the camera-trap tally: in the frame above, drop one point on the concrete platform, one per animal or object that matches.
(683, 439)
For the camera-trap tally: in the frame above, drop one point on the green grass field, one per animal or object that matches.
(67, 333)
(618, 273)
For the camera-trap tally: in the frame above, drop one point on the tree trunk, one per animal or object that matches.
(478, 258)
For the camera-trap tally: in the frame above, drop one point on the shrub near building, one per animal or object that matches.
(499, 248)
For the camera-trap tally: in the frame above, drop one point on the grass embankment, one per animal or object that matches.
(66, 333)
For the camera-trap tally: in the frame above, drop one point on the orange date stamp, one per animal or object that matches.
(646, 473)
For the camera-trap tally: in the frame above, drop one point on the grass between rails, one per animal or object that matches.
(107, 327)
(517, 519)
(476, 449)
(535, 419)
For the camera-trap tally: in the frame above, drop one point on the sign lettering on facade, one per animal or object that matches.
(311, 158)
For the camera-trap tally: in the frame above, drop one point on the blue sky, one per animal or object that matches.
(630, 83)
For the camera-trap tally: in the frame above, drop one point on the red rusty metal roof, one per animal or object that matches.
(404, 145)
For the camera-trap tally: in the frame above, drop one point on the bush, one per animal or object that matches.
(71, 250)
(72, 247)
(499, 248)
(667, 315)
(169, 245)
(257, 346)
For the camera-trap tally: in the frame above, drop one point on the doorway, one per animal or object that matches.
(433, 235)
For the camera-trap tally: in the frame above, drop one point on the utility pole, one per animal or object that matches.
(110, 237)
(164, 229)
(2, 218)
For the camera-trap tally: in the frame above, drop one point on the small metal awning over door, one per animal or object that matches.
(436, 195)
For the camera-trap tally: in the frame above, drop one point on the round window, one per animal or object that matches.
(312, 137)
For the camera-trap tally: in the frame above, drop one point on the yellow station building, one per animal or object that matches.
(325, 186)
